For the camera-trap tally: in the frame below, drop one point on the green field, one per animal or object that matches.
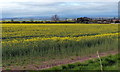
(25, 44)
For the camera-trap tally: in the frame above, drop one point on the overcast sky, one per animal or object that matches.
(63, 8)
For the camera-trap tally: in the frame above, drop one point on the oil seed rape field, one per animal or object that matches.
(25, 44)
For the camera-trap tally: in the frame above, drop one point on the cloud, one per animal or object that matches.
(2, 1)
(64, 9)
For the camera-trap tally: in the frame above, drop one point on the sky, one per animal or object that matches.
(63, 8)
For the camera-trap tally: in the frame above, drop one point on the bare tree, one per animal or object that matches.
(55, 18)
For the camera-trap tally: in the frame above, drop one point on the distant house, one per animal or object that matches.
(70, 19)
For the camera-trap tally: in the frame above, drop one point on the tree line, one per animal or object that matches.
(56, 19)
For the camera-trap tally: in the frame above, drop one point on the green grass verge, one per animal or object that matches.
(109, 63)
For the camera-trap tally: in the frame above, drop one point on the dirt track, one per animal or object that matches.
(61, 62)
(78, 59)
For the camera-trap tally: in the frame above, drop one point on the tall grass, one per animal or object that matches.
(57, 46)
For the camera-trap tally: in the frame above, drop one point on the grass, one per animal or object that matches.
(109, 63)
(25, 44)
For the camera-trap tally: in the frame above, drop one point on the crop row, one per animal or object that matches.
(58, 46)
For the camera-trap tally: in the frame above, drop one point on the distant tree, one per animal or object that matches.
(55, 18)
(117, 21)
(84, 20)
(114, 18)
(66, 19)
(12, 20)
(31, 20)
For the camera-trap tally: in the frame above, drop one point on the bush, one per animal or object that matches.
(70, 66)
(64, 67)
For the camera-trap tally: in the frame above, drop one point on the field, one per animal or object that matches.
(27, 44)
